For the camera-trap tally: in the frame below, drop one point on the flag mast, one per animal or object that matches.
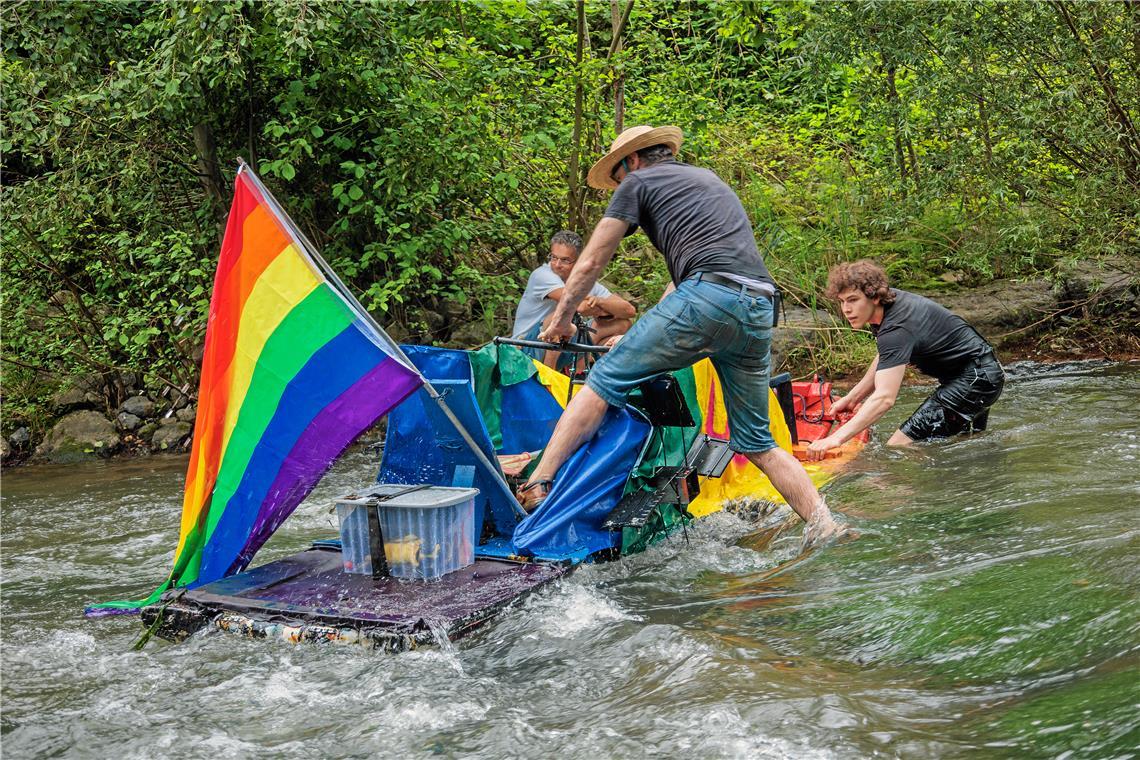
(310, 251)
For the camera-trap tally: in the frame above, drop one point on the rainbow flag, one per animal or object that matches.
(293, 371)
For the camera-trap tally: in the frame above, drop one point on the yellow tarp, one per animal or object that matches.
(741, 479)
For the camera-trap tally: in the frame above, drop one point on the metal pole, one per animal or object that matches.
(310, 252)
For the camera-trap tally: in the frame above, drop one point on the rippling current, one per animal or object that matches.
(990, 608)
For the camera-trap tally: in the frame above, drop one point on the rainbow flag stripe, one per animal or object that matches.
(292, 373)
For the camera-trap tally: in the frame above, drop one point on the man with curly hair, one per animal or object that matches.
(911, 329)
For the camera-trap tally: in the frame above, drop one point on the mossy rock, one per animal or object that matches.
(171, 437)
(80, 436)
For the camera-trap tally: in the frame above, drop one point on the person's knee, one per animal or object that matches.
(617, 326)
(609, 328)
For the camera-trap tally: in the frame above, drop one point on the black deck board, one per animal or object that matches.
(313, 585)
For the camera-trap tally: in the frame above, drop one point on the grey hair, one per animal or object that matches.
(568, 238)
(655, 154)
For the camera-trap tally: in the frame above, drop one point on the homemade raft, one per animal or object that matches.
(295, 369)
(651, 468)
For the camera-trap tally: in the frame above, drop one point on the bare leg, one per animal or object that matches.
(605, 329)
(792, 481)
(582, 418)
(899, 438)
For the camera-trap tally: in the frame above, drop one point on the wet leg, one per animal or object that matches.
(792, 481)
(582, 418)
(899, 438)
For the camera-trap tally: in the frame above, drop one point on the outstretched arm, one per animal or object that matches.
(597, 253)
(860, 391)
(887, 383)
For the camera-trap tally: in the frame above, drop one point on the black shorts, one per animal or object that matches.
(960, 405)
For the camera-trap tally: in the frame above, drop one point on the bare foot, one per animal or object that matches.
(533, 494)
(823, 529)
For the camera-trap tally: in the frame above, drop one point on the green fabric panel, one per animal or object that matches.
(514, 366)
(492, 368)
(668, 446)
(304, 330)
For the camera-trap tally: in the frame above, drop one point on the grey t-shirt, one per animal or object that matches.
(692, 217)
(535, 306)
(918, 331)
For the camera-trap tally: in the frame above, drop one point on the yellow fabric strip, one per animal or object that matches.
(741, 479)
(555, 382)
(194, 495)
(284, 284)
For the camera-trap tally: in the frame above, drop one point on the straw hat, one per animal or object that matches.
(631, 141)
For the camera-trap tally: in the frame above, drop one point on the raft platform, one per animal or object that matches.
(309, 597)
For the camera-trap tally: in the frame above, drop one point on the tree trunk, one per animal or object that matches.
(984, 120)
(208, 171)
(573, 202)
(913, 163)
(616, 18)
(893, 105)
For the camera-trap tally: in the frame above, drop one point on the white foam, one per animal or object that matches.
(576, 609)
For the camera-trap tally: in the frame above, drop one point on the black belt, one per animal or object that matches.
(772, 295)
(989, 355)
(730, 283)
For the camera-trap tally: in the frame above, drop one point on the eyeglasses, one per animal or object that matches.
(620, 165)
(560, 260)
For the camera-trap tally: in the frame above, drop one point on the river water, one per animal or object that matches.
(990, 608)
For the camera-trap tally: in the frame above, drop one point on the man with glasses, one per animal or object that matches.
(610, 314)
(720, 306)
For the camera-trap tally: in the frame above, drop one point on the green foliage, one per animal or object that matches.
(430, 149)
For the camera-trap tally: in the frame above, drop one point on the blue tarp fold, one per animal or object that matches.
(586, 489)
(423, 447)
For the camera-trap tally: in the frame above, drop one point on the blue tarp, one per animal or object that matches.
(423, 447)
(586, 489)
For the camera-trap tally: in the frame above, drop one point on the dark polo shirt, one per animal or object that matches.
(918, 331)
(692, 217)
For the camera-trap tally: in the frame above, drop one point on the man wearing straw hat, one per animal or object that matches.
(719, 306)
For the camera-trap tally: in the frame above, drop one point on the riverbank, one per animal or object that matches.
(1091, 312)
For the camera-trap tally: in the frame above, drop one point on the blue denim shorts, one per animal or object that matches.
(697, 321)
